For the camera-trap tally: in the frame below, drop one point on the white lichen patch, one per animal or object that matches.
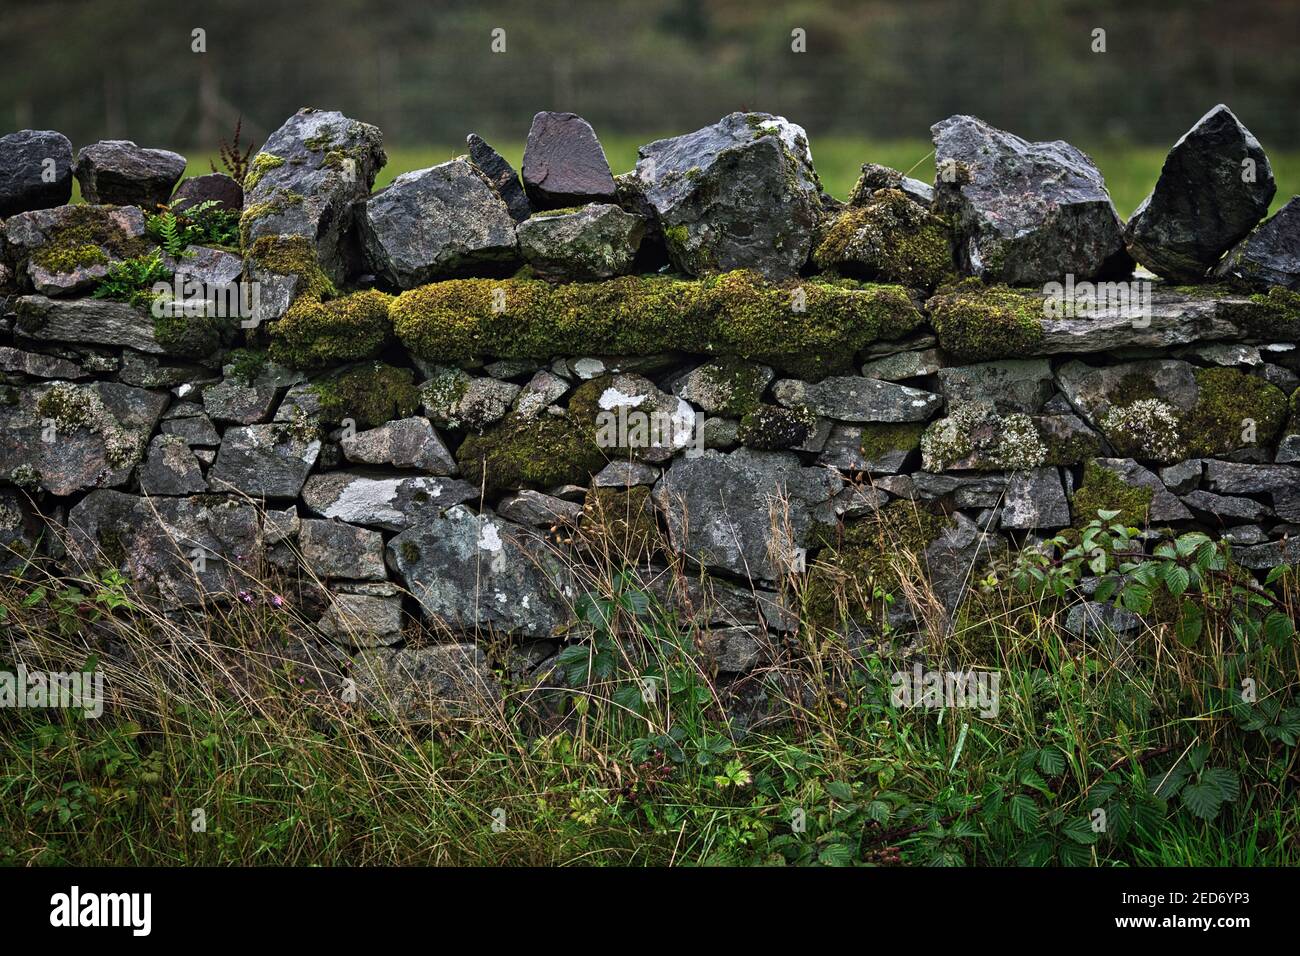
(1147, 425)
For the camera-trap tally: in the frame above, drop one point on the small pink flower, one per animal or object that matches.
(246, 597)
(276, 601)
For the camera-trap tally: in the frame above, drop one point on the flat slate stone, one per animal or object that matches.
(382, 501)
(854, 399)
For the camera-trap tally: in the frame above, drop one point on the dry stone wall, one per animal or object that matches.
(417, 408)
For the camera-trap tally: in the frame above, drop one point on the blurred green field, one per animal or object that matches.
(1130, 171)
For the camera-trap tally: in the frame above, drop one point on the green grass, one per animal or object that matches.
(230, 721)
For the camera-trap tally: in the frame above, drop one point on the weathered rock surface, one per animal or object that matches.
(1025, 213)
(1163, 507)
(38, 364)
(363, 620)
(307, 177)
(334, 549)
(170, 468)
(71, 437)
(87, 321)
(383, 501)
(408, 443)
(438, 222)
(740, 194)
(722, 510)
(214, 187)
(474, 573)
(35, 171)
(901, 365)
(1215, 185)
(538, 510)
(501, 175)
(117, 172)
(1280, 482)
(633, 416)
(263, 461)
(69, 248)
(852, 399)
(598, 241)
(564, 164)
(455, 399)
(1013, 385)
(1035, 499)
(427, 683)
(1270, 255)
(181, 550)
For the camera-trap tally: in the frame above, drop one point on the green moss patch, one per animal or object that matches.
(772, 428)
(890, 238)
(87, 236)
(1104, 490)
(975, 322)
(808, 328)
(522, 451)
(292, 256)
(369, 395)
(620, 519)
(314, 334)
(880, 438)
(1233, 410)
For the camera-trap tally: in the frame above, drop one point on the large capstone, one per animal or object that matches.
(740, 194)
(598, 241)
(35, 171)
(475, 573)
(70, 438)
(117, 172)
(1025, 213)
(1215, 185)
(306, 179)
(1270, 255)
(564, 164)
(748, 512)
(433, 223)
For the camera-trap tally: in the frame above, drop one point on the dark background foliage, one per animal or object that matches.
(424, 72)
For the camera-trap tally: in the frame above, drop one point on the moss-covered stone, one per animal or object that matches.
(87, 236)
(262, 164)
(192, 336)
(809, 328)
(1104, 490)
(880, 438)
(976, 322)
(976, 436)
(773, 428)
(280, 200)
(1233, 410)
(369, 395)
(735, 387)
(1275, 316)
(292, 256)
(870, 558)
(247, 363)
(620, 520)
(314, 334)
(890, 238)
(542, 451)
(74, 407)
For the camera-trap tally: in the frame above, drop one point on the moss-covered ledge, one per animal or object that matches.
(809, 327)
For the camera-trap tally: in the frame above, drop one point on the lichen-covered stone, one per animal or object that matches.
(433, 223)
(382, 501)
(304, 182)
(1024, 213)
(975, 436)
(726, 387)
(877, 447)
(333, 549)
(628, 415)
(1013, 385)
(1203, 201)
(407, 443)
(874, 177)
(477, 574)
(69, 249)
(855, 399)
(1035, 499)
(170, 468)
(597, 241)
(455, 399)
(263, 461)
(740, 194)
(745, 512)
(773, 428)
(72, 437)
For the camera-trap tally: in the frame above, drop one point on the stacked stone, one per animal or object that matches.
(433, 408)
